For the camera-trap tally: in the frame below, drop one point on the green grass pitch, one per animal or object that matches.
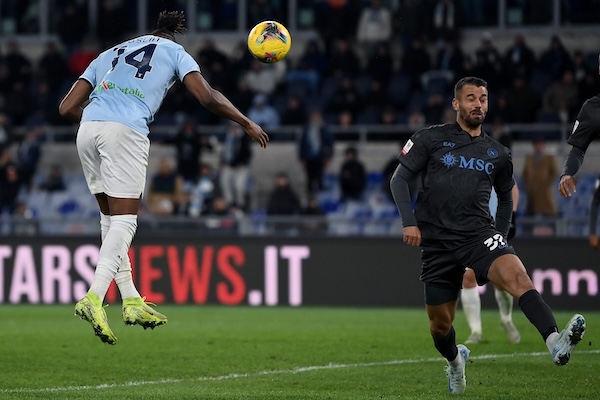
(212, 352)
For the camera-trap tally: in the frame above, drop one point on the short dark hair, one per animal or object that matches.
(468, 80)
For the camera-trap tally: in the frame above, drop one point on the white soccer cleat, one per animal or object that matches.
(474, 338)
(512, 333)
(457, 380)
(568, 339)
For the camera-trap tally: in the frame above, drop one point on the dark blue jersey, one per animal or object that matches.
(457, 175)
(587, 125)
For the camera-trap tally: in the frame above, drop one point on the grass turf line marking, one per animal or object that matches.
(271, 372)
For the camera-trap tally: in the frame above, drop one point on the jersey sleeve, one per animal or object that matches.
(415, 153)
(504, 180)
(90, 73)
(585, 129)
(185, 64)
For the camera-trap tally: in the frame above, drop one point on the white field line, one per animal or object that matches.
(271, 372)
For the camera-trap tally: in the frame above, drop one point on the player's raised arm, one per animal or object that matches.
(216, 102)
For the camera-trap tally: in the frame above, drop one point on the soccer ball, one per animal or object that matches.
(269, 41)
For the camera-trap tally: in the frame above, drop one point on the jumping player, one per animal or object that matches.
(125, 86)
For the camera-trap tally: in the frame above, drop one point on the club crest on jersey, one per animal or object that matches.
(409, 144)
(493, 153)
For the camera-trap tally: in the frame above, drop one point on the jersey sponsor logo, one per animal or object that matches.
(495, 242)
(448, 144)
(106, 85)
(409, 144)
(449, 160)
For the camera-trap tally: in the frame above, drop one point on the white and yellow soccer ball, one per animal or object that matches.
(269, 41)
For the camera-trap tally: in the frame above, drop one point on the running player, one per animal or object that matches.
(125, 86)
(459, 163)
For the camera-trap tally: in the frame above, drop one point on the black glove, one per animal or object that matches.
(513, 226)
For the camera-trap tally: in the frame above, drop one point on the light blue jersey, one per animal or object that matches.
(131, 80)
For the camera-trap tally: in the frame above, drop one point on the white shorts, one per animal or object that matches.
(114, 158)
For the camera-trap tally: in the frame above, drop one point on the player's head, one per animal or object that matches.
(169, 23)
(470, 101)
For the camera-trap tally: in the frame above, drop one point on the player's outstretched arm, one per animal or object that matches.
(71, 105)
(216, 102)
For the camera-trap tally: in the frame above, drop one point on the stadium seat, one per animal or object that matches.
(399, 89)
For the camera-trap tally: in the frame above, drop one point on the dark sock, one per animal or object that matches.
(538, 312)
(447, 345)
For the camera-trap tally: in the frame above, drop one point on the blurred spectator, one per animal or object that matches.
(19, 104)
(81, 57)
(519, 59)
(9, 182)
(434, 108)
(201, 192)
(388, 116)
(240, 60)
(580, 66)
(377, 97)
(450, 58)
(29, 154)
(337, 19)
(374, 25)
(555, 59)
(52, 67)
(315, 150)
(72, 25)
(562, 97)
(295, 112)
(54, 181)
(343, 61)
(221, 218)
(261, 78)
(539, 175)
(189, 143)
(489, 63)
(415, 61)
(18, 66)
(283, 199)
(345, 119)
(45, 101)
(214, 64)
(165, 193)
(416, 120)
(314, 221)
(522, 101)
(6, 132)
(263, 113)
(23, 221)
(345, 98)
(113, 23)
(353, 176)
(242, 96)
(501, 132)
(380, 65)
(444, 22)
(589, 86)
(313, 61)
(235, 166)
(408, 22)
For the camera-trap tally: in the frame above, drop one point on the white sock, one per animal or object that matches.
(550, 341)
(471, 304)
(456, 361)
(505, 304)
(113, 251)
(123, 277)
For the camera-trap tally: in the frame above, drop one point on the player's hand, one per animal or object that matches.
(512, 231)
(593, 239)
(411, 236)
(257, 134)
(567, 186)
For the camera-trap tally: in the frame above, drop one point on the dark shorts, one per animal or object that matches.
(444, 263)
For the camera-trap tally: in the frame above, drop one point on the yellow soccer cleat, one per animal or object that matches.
(137, 311)
(91, 310)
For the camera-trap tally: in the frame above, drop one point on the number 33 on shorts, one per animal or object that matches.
(495, 242)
